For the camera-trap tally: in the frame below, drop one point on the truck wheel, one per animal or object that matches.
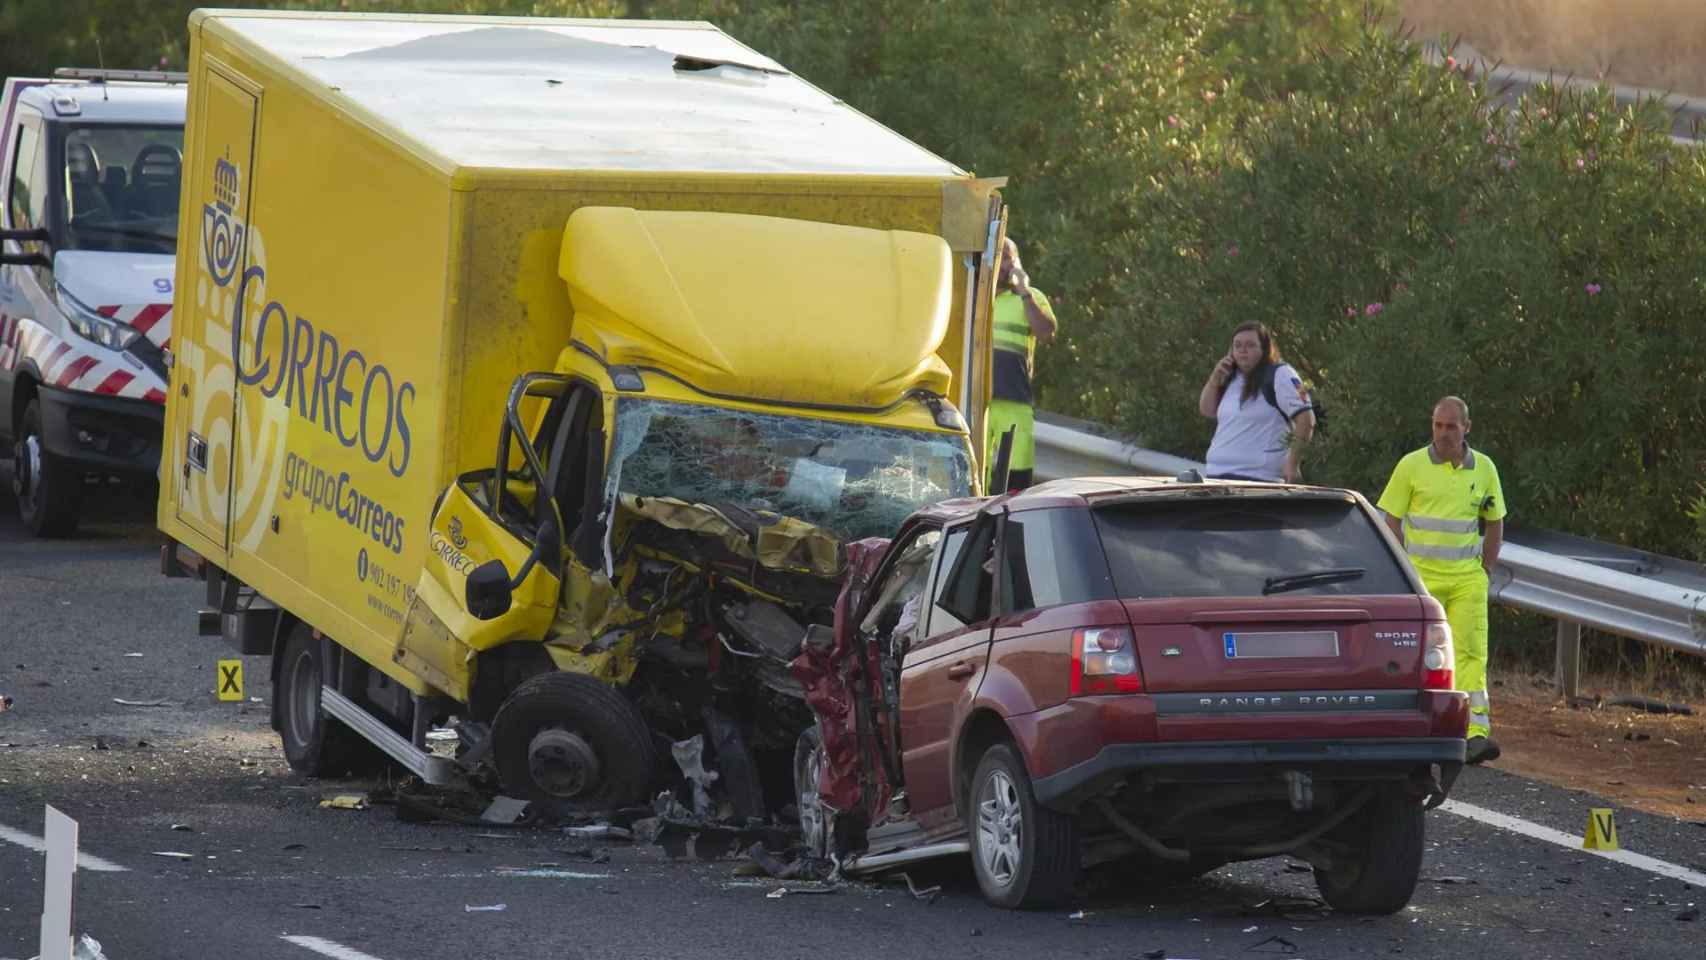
(1379, 871)
(1025, 855)
(814, 819)
(48, 491)
(570, 744)
(315, 744)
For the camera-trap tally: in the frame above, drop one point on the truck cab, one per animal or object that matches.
(91, 163)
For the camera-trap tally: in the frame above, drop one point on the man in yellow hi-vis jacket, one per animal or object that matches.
(1023, 316)
(1445, 502)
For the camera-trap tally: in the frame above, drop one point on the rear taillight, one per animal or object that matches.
(1439, 659)
(1104, 660)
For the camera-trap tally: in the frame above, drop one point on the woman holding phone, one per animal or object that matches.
(1263, 417)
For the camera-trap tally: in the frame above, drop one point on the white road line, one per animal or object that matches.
(327, 948)
(1639, 861)
(32, 842)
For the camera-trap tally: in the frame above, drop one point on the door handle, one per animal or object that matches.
(961, 670)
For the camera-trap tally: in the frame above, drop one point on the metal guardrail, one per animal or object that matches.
(1577, 581)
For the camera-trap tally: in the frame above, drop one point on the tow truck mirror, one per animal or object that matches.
(489, 590)
(25, 259)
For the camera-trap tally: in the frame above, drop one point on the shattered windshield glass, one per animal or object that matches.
(852, 479)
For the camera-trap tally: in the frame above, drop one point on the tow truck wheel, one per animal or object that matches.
(568, 743)
(315, 744)
(48, 492)
(814, 819)
(1378, 871)
(1024, 854)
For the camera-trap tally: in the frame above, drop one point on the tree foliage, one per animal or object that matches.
(1180, 166)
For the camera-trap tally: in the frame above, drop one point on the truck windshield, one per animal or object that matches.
(120, 188)
(854, 480)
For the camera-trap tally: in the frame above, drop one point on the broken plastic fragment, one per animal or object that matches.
(491, 908)
(598, 831)
(174, 854)
(346, 801)
(139, 703)
(504, 810)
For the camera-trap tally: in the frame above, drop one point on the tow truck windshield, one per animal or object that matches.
(855, 480)
(120, 188)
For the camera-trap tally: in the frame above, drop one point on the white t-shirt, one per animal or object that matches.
(1250, 435)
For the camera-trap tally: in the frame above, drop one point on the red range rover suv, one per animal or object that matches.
(1174, 674)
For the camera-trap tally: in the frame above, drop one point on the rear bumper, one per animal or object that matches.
(1371, 759)
(100, 433)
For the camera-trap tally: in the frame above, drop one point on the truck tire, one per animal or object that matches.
(48, 490)
(315, 744)
(569, 744)
(1378, 873)
(1025, 855)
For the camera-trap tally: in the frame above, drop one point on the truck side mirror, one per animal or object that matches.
(489, 590)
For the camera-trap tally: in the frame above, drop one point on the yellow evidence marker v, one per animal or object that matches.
(230, 684)
(1602, 830)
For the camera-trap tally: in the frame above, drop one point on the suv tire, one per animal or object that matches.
(1025, 855)
(49, 492)
(1378, 873)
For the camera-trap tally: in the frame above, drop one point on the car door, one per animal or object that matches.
(941, 671)
(26, 308)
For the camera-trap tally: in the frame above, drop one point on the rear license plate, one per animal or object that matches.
(1265, 646)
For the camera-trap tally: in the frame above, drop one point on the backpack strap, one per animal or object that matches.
(1268, 389)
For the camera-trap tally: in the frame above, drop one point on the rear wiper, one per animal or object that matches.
(1315, 578)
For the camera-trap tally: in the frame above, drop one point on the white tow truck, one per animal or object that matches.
(90, 164)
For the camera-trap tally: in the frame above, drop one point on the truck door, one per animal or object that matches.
(210, 304)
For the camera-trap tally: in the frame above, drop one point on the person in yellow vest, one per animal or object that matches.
(1444, 501)
(1022, 317)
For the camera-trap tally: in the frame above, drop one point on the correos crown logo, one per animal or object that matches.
(221, 231)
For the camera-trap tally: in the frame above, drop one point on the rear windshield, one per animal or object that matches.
(1246, 548)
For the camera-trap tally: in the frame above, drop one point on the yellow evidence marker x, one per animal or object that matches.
(230, 686)
(1602, 830)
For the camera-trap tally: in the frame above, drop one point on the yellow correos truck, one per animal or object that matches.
(532, 373)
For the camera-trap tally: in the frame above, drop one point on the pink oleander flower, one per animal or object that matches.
(1451, 63)
(1209, 95)
(1350, 311)
(1580, 163)
(1232, 249)
(1172, 120)
(1592, 289)
(1372, 309)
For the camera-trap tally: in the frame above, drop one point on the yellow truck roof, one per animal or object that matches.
(855, 320)
(515, 93)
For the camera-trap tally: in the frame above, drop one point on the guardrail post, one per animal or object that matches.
(1569, 669)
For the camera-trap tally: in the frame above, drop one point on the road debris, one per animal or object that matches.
(137, 656)
(5, 703)
(1296, 909)
(1690, 915)
(174, 854)
(1279, 945)
(1652, 705)
(505, 810)
(183, 828)
(926, 894)
(141, 703)
(781, 892)
(1450, 880)
(346, 801)
(586, 853)
(1079, 915)
(779, 867)
(598, 831)
(306, 906)
(490, 908)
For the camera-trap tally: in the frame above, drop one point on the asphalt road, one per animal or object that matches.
(266, 862)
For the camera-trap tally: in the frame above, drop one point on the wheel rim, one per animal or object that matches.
(1000, 824)
(26, 472)
(813, 828)
(304, 703)
(562, 764)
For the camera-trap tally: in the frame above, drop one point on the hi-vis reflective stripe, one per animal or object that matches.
(1442, 525)
(1444, 553)
(1478, 702)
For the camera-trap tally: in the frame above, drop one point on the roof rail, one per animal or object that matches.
(105, 76)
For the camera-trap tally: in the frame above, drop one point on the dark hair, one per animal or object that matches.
(1270, 358)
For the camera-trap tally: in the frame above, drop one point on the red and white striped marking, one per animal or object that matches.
(68, 365)
(152, 320)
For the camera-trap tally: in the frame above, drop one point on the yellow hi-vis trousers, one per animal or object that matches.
(1464, 596)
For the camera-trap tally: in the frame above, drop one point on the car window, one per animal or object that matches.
(1245, 548)
(896, 612)
(1051, 557)
(963, 601)
(27, 193)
